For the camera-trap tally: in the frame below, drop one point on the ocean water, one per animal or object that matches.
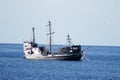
(100, 63)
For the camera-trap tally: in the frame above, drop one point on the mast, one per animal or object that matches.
(33, 34)
(50, 36)
(69, 40)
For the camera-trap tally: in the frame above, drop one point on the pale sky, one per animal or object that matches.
(89, 22)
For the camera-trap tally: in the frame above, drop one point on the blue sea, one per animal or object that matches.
(100, 63)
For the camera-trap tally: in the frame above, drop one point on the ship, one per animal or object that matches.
(36, 52)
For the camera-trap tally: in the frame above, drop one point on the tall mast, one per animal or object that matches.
(33, 34)
(50, 36)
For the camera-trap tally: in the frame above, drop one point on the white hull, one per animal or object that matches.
(55, 57)
(36, 53)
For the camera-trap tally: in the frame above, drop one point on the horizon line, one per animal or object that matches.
(65, 44)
